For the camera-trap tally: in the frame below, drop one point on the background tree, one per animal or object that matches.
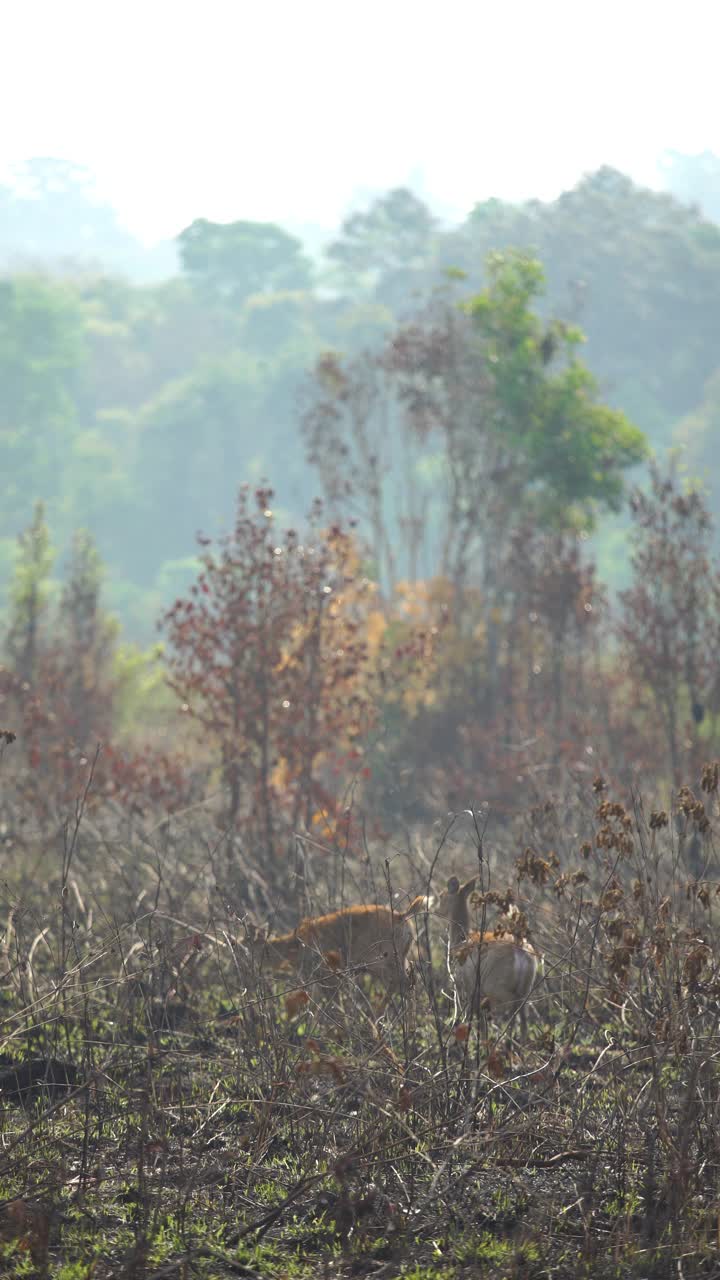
(96, 368)
(670, 621)
(58, 685)
(505, 422)
(229, 262)
(696, 439)
(386, 248)
(636, 267)
(41, 352)
(30, 596)
(368, 458)
(510, 457)
(550, 655)
(88, 640)
(195, 439)
(568, 451)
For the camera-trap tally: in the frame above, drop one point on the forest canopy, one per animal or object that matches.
(135, 408)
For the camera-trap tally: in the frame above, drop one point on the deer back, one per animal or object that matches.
(499, 968)
(372, 936)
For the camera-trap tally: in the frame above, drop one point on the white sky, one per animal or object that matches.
(282, 109)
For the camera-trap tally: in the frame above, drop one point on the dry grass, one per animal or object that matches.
(169, 1109)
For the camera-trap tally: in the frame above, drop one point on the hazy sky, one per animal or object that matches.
(283, 109)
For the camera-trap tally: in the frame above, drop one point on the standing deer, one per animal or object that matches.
(373, 939)
(494, 968)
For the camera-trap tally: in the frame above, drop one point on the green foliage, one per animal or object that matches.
(638, 269)
(395, 231)
(141, 695)
(41, 352)
(697, 438)
(229, 262)
(98, 480)
(30, 593)
(361, 326)
(88, 634)
(570, 450)
(34, 564)
(194, 440)
(387, 248)
(271, 321)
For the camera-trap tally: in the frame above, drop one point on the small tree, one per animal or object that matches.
(268, 654)
(670, 622)
(58, 683)
(549, 635)
(387, 248)
(87, 638)
(30, 595)
(367, 456)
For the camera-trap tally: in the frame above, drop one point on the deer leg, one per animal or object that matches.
(523, 1020)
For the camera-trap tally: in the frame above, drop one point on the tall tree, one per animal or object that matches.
(567, 450)
(87, 639)
(637, 268)
(506, 423)
(196, 441)
(696, 437)
(387, 247)
(30, 596)
(41, 352)
(268, 655)
(230, 261)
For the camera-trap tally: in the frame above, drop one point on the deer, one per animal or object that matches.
(490, 970)
(374, 939)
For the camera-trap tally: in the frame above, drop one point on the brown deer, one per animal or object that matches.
(490, 970)
(372, 939)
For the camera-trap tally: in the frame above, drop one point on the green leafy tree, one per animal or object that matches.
(88, 639)
(568, 451)
(196, 440)
(548, 449)
(41, 352)
(30, 593)
(491, 415)
(637, 268)
(388, 247)
(696, 437)
(276, 321)
(508, 420)
(230, 261)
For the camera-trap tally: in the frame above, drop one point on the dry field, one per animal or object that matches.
(171, 1107)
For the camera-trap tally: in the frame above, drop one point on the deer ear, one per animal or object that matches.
(453, 885)
(468, 888)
